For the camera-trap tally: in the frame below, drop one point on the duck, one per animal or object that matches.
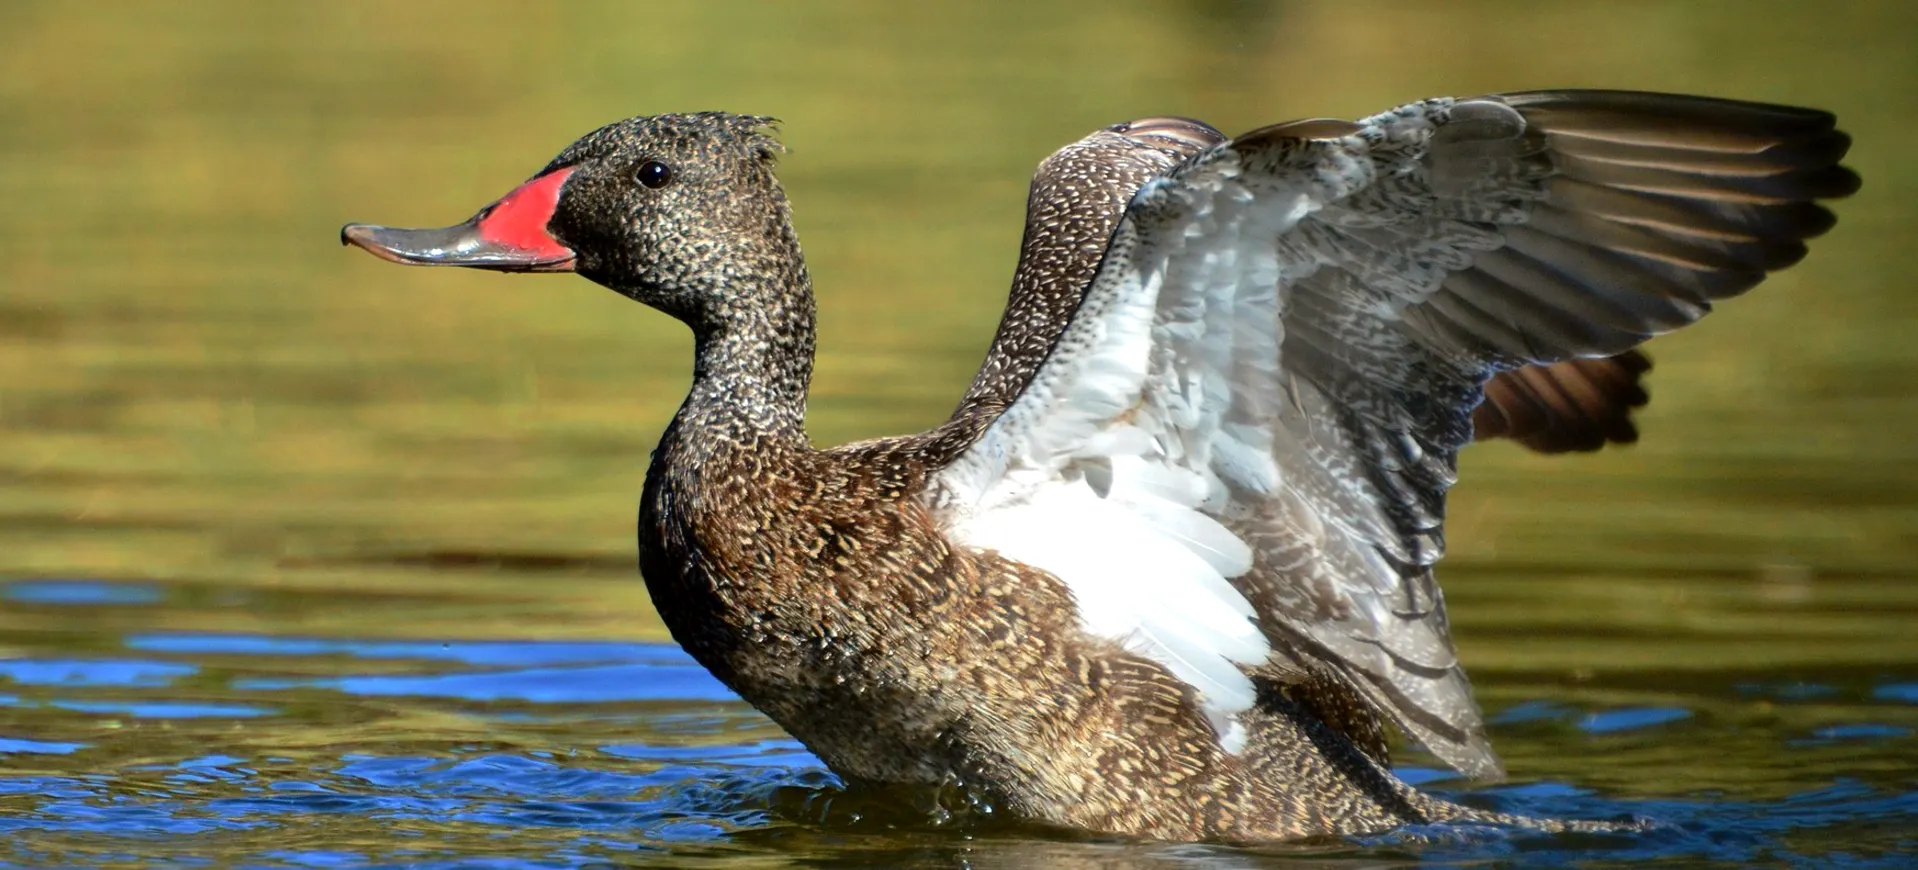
(1168, 570)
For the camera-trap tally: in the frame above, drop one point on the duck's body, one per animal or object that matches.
(817, 585)
(1167, 569)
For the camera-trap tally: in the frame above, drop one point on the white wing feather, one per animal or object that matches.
(1109, 470)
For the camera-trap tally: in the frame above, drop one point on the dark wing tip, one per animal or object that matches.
(1644, 108)
(1655, 206)
(1577, 405)
(1839, 181)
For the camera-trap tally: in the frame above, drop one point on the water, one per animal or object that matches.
(132, 739)
(310, 561)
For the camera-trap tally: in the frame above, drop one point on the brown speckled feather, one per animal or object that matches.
(1077, 196)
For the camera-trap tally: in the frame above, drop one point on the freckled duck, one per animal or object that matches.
(1168, 568)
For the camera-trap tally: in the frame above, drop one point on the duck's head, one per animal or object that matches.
(666, 209)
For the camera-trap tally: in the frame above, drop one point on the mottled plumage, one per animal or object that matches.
(1078, 195)
(1219, 428)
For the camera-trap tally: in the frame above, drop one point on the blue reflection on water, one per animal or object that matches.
(534, 672)
(1858, 731)
(78, 592)
(38, 747)
(166, 709)
(591, 684)
(1530, 711)
(517, 653)
(1613, 721)
(89, 672)
(1906, 692)
(1596, 722)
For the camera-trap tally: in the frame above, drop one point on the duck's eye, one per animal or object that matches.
(653, 174)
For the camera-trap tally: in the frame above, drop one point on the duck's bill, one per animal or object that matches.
(507, 236)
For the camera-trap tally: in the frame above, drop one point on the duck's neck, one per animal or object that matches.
(753, 366)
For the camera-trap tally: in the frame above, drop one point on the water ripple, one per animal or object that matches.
(311, 751)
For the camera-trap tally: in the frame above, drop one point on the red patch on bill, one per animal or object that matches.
(519, 219)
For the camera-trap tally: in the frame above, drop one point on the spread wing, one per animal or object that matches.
(1237, 453)
(1078, 195)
